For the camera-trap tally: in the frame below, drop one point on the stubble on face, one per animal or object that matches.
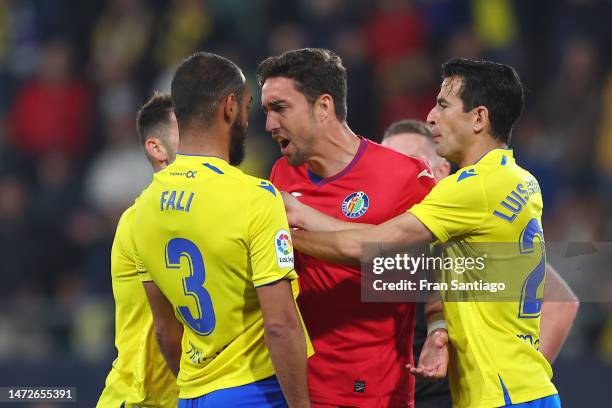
(238, 133)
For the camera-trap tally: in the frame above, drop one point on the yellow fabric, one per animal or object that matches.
(489, 342)
(139, 375)
(495, 22)
(208, 235)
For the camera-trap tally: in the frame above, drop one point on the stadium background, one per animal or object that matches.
(72, 74)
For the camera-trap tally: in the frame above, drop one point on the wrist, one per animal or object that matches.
(436, 325)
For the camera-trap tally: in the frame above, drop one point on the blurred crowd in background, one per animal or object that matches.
(73, 73)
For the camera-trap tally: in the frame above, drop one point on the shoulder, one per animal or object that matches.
(124, 229)
(387, 157)
(468, 183)
(127, 217)
(253, 187)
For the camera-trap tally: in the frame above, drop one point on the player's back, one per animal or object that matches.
(197, 232)
(139, 376)
(494, 208)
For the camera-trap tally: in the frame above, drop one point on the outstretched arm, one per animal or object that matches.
(345, 246)
(307, 218)
(558, 313)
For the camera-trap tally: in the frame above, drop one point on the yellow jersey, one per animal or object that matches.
(208, 235)
(494, 344)
(139, 376)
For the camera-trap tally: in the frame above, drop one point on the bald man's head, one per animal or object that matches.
(413, 138)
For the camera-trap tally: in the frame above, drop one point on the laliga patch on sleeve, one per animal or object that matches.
(284, 249)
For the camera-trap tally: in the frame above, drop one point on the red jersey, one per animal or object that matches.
(361, 349)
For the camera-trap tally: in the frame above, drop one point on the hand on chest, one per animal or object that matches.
(356, 205)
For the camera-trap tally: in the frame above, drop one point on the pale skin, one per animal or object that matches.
(307, 133)
(459, 136)
(283, 332)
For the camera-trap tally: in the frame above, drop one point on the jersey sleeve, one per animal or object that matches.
(143, 273)
(270, 245)
(424, 183)
(453, 208)
(123, 246)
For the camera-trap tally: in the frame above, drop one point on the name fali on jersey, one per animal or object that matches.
(174, 200)
(516, 200)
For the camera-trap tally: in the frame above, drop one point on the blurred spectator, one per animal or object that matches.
(287, 36)
(406, 89)
(363, 110)
(122, 33)
(496, 28)
(52, 111)
(604, 144)
(20, 37)
(119, 172)
(17, 254)
(394, 30)
(184, 26)
(571, 110)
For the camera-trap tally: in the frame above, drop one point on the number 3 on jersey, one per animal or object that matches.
(530, 305)
(193, 285)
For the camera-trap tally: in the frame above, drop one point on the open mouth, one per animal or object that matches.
(284, 143)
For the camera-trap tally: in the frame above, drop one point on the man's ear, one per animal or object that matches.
(324, 107)
(156, 149)
(230, 108)
(481, 119)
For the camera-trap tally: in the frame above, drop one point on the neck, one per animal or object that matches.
(203, 143)
(336, 148)
(476, 151)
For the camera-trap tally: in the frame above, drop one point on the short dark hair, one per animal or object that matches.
(407, 126)
(200, 83)
(154, 112)
(315, 71)
(490, 84)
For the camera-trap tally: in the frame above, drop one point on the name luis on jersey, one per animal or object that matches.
(514, 202)
(176, 200)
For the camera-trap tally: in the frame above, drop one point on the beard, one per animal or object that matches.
(297, 159)
(238, 133)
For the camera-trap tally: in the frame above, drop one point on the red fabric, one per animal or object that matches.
(354, 341)
(392, 34)
(48, 117)
(399, 107)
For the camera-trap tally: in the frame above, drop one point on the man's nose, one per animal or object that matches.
(271, 122)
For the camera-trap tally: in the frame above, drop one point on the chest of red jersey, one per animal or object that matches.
(376, 186)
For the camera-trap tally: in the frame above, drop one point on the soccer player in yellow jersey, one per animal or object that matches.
(139, 376)
(494, 359)
(215, 255)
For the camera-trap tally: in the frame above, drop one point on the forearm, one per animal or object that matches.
(559, 310)
(555, 325)
(287, 347)
(345, 246)
(170, 346)
(168, 330)
(337, 247)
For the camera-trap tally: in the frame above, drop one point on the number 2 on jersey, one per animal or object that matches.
(530, 305)
(193, 285)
